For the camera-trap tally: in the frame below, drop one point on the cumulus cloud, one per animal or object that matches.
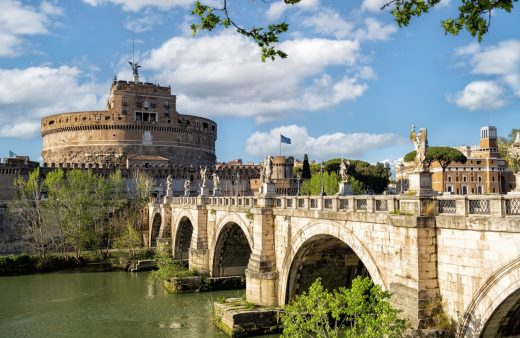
(28, 94)
(375, 30)
(211, 79)
(373, 5)
(479, 95)
(329, 22)
(325, 146)
(137, 5)
(144, 22)
(278, 8)
(18, 21)
(500, 63)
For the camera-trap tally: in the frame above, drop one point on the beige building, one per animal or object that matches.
(485, 171)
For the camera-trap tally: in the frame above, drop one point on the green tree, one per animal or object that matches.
(28, 207)
(53, 184)
(128, 241)
(312, 187)
(364, 176)
(363, 310)
(472, 16)
(113, 207)
(306, 169)
(503, 148)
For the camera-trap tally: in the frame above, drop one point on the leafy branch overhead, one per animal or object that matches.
(266, 38)
(474, 16)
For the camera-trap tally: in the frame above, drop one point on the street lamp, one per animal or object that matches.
(322, 193)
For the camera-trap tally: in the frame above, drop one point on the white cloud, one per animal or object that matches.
(373, 5)
(18, 21)
(144, 21)
(278, 8)
(500, 63)
(222, 75)
(353, 145)
(479, 95)
(375, 30)
(501, 59)
(28, 94)
(329, 22)
(137, 5)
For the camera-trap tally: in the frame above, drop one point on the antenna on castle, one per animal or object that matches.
(135, 66)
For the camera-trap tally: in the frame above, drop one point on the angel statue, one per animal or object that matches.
(203, 176)
(268, 169)
(343, 170)
(169, 181)
(216, 181)
(420, 143)
(187, 187)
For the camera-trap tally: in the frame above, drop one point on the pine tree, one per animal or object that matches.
(306, 171)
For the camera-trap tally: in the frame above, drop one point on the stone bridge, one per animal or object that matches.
(459, 251)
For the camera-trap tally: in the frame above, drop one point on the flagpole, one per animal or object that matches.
(280, 140)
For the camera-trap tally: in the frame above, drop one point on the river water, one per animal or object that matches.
(102, 304)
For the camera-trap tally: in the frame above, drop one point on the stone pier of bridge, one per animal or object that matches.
(459, 254)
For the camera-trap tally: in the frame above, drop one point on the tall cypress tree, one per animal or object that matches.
(306, 170)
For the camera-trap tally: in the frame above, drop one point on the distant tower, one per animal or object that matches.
(488, 140)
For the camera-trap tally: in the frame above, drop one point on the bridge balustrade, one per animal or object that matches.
(513, 206)
(478, 205)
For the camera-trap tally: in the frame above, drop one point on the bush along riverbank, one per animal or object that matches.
(177, 278)
(90, 261)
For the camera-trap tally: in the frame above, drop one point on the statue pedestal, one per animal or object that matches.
(517, 185)
(344, 189)
(216, 192)
(268, 189)
(420, 184)
(204, 191)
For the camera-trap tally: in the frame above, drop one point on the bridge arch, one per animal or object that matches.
(183, 219)
(155, 228)
(183, 239)
(495, 309)
(232, 247)
(318, 239)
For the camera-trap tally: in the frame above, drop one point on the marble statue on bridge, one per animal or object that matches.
(169, 181)
(216, 184)
(420, 143)
(187, 187)
(343, 170)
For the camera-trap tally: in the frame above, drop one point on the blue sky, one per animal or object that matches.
(352, 86)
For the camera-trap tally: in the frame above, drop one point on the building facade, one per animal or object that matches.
(485, 171)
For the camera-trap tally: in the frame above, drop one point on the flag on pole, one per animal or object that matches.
(11, 154)
(284, 139)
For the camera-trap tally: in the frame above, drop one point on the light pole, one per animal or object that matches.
(322, 193)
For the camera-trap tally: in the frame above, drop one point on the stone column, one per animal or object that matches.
(199, 253)
(428, 296)
(261, 277)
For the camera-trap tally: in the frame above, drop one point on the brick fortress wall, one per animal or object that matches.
(140, 119)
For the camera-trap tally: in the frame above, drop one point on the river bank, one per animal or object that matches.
(23, 264)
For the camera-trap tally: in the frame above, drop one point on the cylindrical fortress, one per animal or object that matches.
(140, 124)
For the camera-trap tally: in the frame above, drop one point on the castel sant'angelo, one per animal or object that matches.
(140, 125)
